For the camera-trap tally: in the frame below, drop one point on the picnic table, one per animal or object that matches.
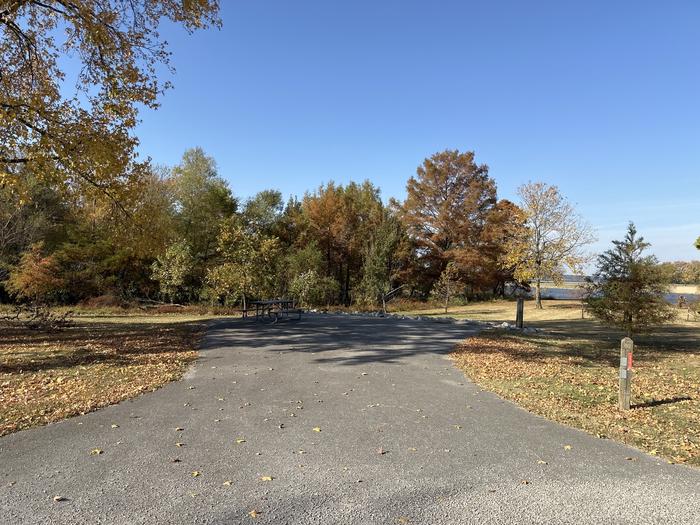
(275, 308)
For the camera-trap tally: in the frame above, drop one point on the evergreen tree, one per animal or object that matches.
(628, 288)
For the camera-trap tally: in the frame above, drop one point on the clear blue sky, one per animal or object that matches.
(601, 98)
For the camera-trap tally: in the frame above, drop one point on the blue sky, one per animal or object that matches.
(600, 98)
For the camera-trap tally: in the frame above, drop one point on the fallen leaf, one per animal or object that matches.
(95, 452)
(317, 429)
(567, 447)
(179, 444)
(195, 473)
(227, 483)
(266, 478)
(60, 498)
(240, 440)
(115, 426)
(253, 513)
(541, 462)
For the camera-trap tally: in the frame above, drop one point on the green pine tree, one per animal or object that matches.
(628, 288)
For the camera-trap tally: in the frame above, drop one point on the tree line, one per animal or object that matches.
(180, 235)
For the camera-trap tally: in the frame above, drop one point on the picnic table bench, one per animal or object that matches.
(275, 308)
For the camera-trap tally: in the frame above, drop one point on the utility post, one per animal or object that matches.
(626, 373)
(519, 313)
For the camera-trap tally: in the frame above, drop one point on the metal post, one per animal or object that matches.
(626, 373)
(519, 313)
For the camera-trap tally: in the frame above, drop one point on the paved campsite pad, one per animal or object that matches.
(404, 438)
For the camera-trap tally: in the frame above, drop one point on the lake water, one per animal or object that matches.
(574, 293)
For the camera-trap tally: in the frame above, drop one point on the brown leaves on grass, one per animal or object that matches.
(48, 377)
(566, 382)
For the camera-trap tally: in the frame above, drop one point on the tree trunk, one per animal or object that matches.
(346, 293)
(538, 294)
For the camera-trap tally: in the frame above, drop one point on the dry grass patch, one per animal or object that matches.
(574, 380)
(46, 377)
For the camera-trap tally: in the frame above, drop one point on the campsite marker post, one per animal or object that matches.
(626, 373)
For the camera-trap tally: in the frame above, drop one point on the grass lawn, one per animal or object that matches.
(97, 361)
(568, 372)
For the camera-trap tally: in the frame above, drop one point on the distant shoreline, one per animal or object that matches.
(692, 289)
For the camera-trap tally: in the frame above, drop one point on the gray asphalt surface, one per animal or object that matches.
(404, 438)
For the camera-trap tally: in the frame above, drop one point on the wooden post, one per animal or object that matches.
(519, 313)
(626, 373)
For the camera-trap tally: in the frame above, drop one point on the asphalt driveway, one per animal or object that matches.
(333, 419)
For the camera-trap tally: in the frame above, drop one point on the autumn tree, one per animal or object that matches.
(35, 278)
(445, 211)
(40, 217)
(628, 288)
(502, 227)
(83, 138)
(554, 240)
(341, 219)
(683, 272)
(448, 285)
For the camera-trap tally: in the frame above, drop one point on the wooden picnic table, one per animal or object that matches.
(275, 308)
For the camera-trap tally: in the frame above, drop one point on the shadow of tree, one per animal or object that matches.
(364, 339)
(24, 350)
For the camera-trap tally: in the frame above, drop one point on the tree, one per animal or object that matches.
(250, 263)
(627, 290)
(263, 211)
(39, 217)
(203, 202)
(554, 238)
(35, 279)
(697, 243)
(447, 286)
(341, 219)
(83, 138)
(444, 213)
(172, 269)
(312, 289)
(304, 259)
(379, 263)
(503, 226)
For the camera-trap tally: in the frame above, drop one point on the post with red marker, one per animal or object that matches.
(626, 372)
